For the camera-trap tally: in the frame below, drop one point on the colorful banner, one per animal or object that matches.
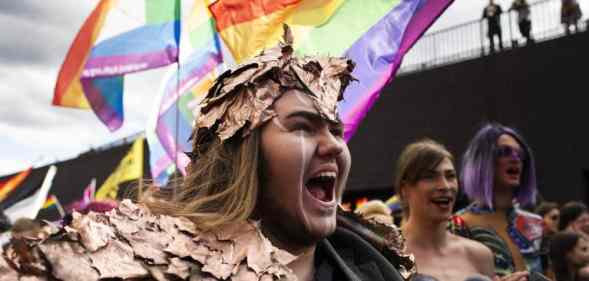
(169, 128)
(376, 39)
(119, 37)
(130, 168)
(9, 185)
(215, 36)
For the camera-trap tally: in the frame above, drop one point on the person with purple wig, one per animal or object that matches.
(498, 175)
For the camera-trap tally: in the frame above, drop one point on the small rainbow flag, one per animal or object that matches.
(49, 202)
(52, 201)
(394, 203)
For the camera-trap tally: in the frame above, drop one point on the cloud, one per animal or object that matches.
(57, 13)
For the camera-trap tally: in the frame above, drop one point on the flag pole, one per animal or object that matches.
(59, 207)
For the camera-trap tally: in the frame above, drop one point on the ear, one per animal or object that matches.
(403, 190)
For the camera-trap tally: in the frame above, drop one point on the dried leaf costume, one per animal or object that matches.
(132, 243)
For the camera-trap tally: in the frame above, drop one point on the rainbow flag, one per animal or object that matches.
(29, 207)
(118, 38)
(376, 38)
(8, 185)
(375, 34)
(53, 202)
(394, 203)
(201, 59)
(49, 202)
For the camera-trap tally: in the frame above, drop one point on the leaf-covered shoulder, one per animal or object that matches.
(130, 243)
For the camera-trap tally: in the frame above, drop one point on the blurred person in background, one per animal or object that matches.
(523, 18)
(574, 217)
(551, 215)
(25, 227)
(569, 253)
(498, 174)
(375, 210)
(492, 13)
(570, 14)
(427, 184)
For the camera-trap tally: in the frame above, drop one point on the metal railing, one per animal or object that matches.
(469, 40)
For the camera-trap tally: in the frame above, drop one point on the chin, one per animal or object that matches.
(320, 228)
(441, 218)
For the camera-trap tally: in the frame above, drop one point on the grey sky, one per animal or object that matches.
(35, 38)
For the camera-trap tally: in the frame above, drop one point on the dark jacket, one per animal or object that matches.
(346, 256)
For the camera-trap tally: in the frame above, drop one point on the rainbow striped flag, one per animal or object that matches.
(118, 38)
(394, 203)
(49, 202)
(375, 34)
(201, 59)
(8, 185)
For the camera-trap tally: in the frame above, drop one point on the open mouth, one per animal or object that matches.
(444, 202)
(322, 187)
(513, 171)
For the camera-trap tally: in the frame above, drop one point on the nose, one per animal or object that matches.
(446, 184)
(330, 145)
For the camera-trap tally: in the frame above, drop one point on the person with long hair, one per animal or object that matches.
(498, 175)
(427, 184)
(569, 253)
(260, 200)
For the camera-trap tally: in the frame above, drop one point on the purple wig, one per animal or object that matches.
(478, 166)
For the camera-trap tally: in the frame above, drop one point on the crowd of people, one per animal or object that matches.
(260, 201)
(570, 14)
(517, 238)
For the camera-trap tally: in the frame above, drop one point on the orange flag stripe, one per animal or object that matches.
(229, 13)
(7, 187)
(50, 201)
(68, 89)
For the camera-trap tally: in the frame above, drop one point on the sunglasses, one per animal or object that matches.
(508, 151)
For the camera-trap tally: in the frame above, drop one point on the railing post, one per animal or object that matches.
(435, 56)
(481, 36)
(511, 41)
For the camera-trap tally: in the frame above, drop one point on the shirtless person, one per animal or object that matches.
(427, 183)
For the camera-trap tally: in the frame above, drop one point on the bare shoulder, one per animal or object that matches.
(480, 255)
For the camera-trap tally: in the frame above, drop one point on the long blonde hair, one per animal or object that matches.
(221, 186)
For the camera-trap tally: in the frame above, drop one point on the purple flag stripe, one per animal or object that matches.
(105, 97)
(379, 52)
(204, 66)
(119, 65)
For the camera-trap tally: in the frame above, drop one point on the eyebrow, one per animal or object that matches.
(314, 117)
(440, 172)
(305, 114)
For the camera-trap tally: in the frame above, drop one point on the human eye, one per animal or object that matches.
(337, 130)
(302, 125)
(451, 175)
